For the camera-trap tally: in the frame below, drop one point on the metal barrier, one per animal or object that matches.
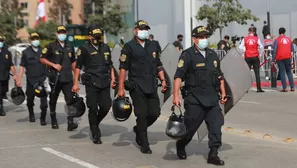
(220, 53)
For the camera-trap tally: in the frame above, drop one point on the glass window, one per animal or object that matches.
(24, 5)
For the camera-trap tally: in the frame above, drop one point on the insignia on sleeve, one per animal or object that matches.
(57, 52)
(123, 58)
(70, 54)
(78, 52)
(106, 54)
(154, 54)
(6, 56)
(44, 51)
(180, 63)
(215, 63)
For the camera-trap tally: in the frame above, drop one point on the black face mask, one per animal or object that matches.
(180, 40)
(96, 41)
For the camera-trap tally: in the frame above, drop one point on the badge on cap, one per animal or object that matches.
(180, 63)
(142, 23)
(154, 54)
(215, 63)
(201, 29)
(61, 28)
(96, 31)
(34, 34)
(123, 58)
(44, 51)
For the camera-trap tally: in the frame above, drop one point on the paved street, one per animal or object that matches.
(28, 145)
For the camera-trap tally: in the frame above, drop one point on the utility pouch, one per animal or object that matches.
(184, 92)
(129, 85)
(85, 78)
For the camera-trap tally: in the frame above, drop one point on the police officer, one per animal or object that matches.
(60, 58)
(6, 65)
(199, 68)
(35, 72)
(140, 57)
(98, 75)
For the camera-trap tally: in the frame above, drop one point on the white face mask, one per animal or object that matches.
(268, 37)
(142, 34)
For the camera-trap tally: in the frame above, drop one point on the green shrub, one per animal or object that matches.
(44, 43)
(111, 44)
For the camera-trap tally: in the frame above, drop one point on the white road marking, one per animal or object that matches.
(248, 102)
(69, 158)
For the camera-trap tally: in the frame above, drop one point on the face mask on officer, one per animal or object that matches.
(35, 43)
(1, 44)
(62, 37)
(201, 43)
(142, 34)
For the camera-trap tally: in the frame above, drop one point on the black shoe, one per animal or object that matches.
(145, 148)
(214, 159)
(2, 112)
(31, 117)
(5, 97)
(54, 121)
(43, 118)
(260, 91)
(137, 136)
(71, 125)
(180, 151)
(96, 139)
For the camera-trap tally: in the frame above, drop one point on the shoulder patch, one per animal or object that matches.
(180, 63)
(78, 53)
(44, 51)
(6, 56)
(123, 58)
(215, 63)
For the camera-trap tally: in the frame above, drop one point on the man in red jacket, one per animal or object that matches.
(252, 43)
(284, 49)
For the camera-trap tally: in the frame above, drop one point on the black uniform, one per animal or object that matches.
(142, 65)
(5, 64)
(201, 76)
(97, 67)
(35, 72)
(64, 56)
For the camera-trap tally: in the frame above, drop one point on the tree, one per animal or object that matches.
(60, 8)
(11, 19)
(223, 12)
(46, 30)
(108, 16)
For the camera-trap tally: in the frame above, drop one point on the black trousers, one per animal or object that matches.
(195, 114)
(30, 98)
(146, 108)
(5, 87)
(97, 97)
(66, 88)
(3, 90)
(255, 63)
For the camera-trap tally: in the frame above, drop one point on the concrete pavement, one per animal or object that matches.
(28, 145)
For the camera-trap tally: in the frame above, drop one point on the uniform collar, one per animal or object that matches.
(146, 41)
(58, 43)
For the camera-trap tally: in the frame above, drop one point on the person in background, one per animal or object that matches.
(265, 30)
(224, 44)
(268, 46)
(252, 26)
(177, 44)
(151, 38)
(284, 48)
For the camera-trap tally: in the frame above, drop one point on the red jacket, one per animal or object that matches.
(284, 48)
(251, 46)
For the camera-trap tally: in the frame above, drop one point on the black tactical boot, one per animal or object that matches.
(71, 125)
(145, 148)
(43, 118)
(96, 135)
(137, 139)
(54, 120)
(31, 114)
(213, 158)
(181, 151)
(2, 112)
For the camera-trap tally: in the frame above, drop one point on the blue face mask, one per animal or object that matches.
(202, 44)
(142, 34)
(35, 43)
(1, 44)
(62, 37)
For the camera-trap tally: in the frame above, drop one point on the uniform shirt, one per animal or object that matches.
(283, 47)
(35, 70)
(5, 63)
(64, 56)
(200, 74)
(96, 62)
(141, 64)
(251, 45)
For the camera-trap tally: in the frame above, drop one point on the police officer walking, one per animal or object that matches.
(252, 43)
(199, 67)
(95, 57)
(6, 65)
(140, 57)
(60, 58)
(35, 73)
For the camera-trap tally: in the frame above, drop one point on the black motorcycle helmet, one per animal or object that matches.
(76, 107)
(176, 128)
(17, 95)
(39, 90)
(121, 108)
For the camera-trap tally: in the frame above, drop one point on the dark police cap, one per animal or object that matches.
(34, 35)
(61, 28)
(2, 38)
(141, 24)
(95, 31)
(200, 31)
